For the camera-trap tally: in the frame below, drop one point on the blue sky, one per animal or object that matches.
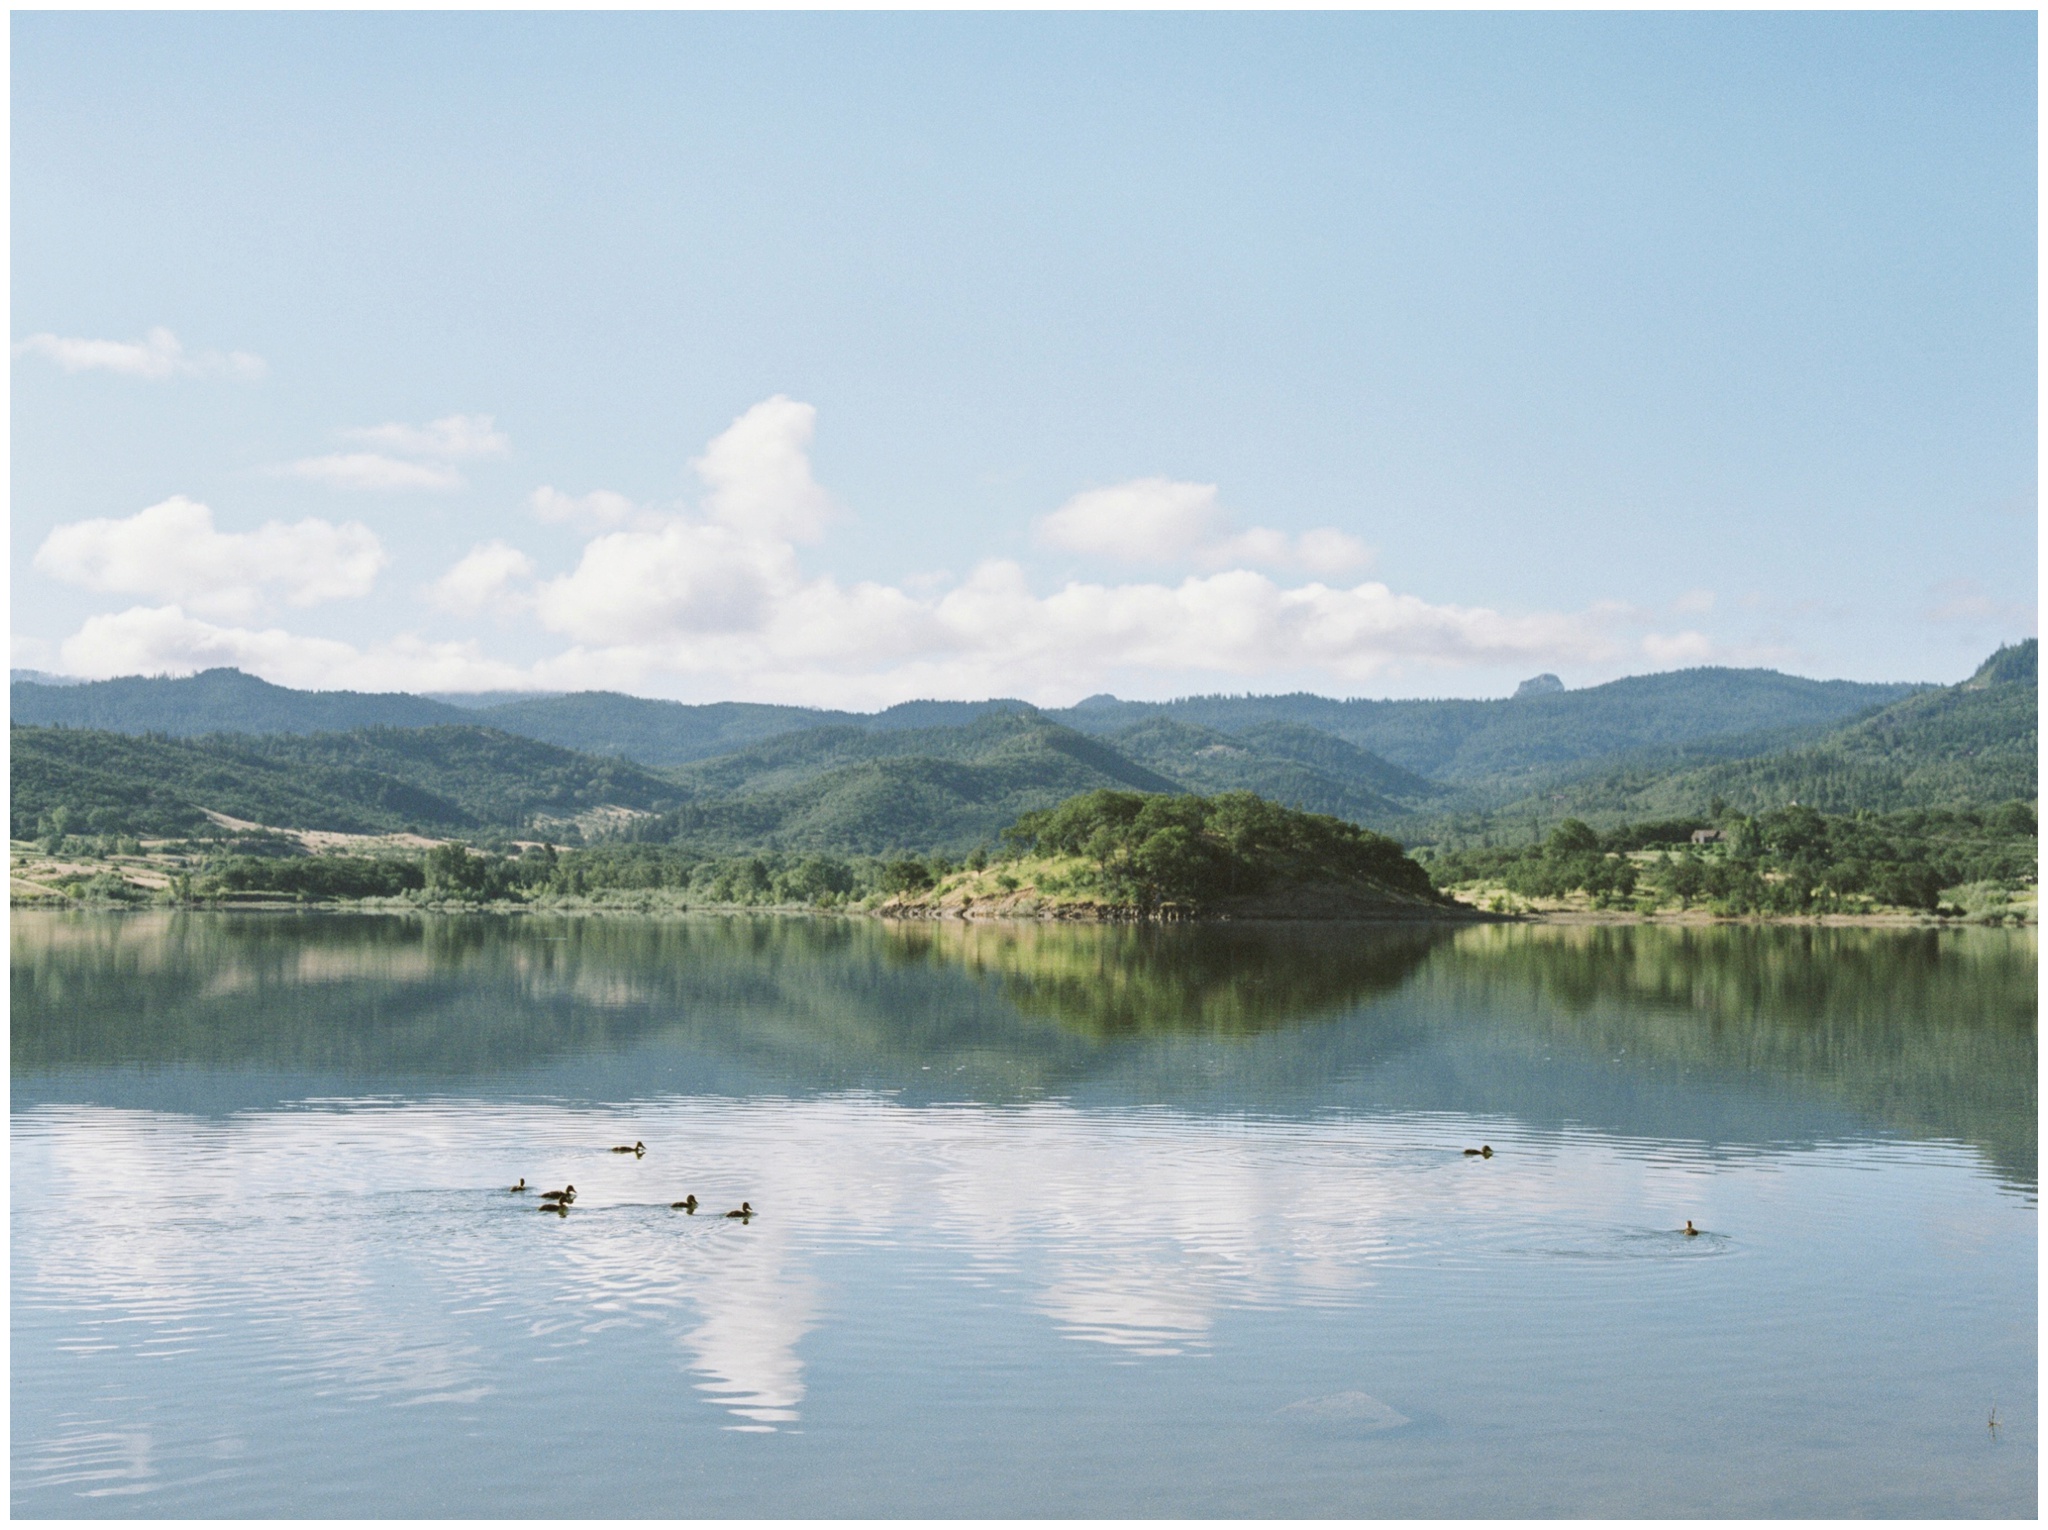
(847, 358)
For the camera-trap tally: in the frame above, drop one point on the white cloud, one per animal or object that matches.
(658, 607)
(758, 472)
(156, 356)
(482, 580)
(1679, 647)
(1148, 520)
(372, 470)
(172, 551)
(601, 507)
(718, 603)
(1165, 521)
(164, 640)
(683, 578)
(453, 437)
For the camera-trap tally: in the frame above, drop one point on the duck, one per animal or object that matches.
(560, 1208)
(746, 1210)
(1690, 1230)
(1479, 1152)
(638, 1150)
(687, 1204)
(516, 1189)
(564, 1196)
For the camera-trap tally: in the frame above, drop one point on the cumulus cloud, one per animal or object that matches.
(374, 471)
(165, 640)
(172, 551)
(483, 580)
(1166, 521)
(158, 355)
(600, 507)
(1147, 520)
(717, 602)
(452, 437)
(684, 578)
(758, 474)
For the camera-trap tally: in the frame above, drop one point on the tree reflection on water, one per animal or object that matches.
(1926, 1032)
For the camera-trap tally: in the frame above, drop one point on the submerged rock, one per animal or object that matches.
(1355, 1411)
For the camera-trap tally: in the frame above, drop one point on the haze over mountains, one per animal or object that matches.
(946, 775)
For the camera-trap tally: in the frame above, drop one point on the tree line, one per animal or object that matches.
(1793, 860)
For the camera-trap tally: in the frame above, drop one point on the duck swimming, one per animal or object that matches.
(564, 1196)
(1690, 1230)
(746, 1210)
(560, 1208)
(687, 1204)
(1479, 1152)
(520, 1186)
(638, 1150)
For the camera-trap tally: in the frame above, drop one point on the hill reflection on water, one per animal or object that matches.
(1724, 1034)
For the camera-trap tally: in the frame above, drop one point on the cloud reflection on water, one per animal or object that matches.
(375, 1247)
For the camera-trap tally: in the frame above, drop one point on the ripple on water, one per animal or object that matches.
(368, 1254)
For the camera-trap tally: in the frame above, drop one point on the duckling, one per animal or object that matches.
(520, 1186)
(688, 1205)
(746, 1211)
(564, 1196)
(559, 1208)
(1479, 1152)
(638, 1150)
(1690, 1230)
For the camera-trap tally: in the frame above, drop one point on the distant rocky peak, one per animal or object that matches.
(1539, 685)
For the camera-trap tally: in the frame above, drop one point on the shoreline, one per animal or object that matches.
(1065, 914)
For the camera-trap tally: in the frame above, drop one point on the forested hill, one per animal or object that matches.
(592, 722)
(943, 776)
(1467, 742)
(442, 780)
(218, 701)
(849, 790)
(1969, 745)
(1459, 742)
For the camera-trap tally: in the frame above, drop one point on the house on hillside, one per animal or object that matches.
(1708, 836)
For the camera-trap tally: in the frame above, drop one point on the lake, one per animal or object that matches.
(1052, 1221)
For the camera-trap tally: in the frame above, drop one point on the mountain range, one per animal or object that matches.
(148, 754)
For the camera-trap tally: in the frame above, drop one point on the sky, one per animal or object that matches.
(843, 359)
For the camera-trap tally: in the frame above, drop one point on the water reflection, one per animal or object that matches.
(1111, 981)
(267, 1157)
(1930, 1032)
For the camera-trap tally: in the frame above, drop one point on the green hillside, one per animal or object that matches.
(440, 780)
(793, 758)
(651, 732)
(1505, 745)
(1341, 759)
(942, 777)
(831, 798)
(492, 777)
(112, 783)
(218, 701)
(1499, 748)
(1203, 760)
(675, 733)
(1974, 744)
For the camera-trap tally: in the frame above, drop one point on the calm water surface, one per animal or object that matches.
(1052, 1221)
